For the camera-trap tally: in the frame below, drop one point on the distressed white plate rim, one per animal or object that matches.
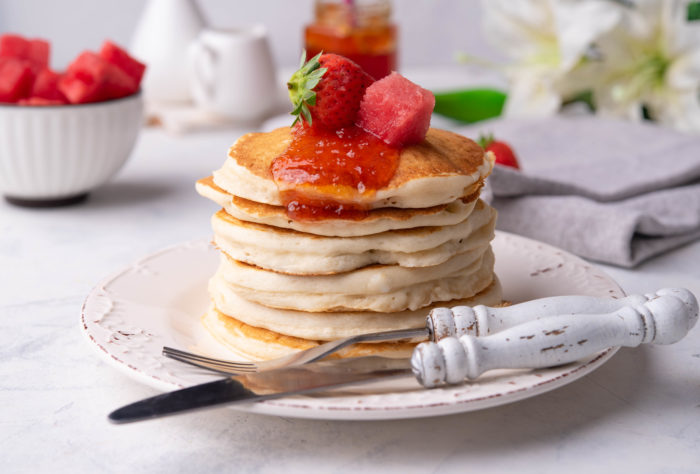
(158, 301)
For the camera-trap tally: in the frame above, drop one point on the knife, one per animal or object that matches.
(257, 386)
(545, 342)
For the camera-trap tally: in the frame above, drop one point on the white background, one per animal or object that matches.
(431, 31)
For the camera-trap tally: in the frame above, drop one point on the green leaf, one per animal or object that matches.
(315, 58)
(311, 83)
(301, 85)
(693, 11)
(318, 72)
(312, 64)
(470, 105)
(485, 140)
(307, 115)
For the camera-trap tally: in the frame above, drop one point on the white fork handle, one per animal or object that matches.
(555, 340)
(483, 320)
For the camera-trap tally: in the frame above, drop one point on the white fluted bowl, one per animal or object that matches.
(55, 155)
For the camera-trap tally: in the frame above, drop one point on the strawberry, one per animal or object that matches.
(503, 152)
(326, 90)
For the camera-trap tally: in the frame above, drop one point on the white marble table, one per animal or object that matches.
(639, 413)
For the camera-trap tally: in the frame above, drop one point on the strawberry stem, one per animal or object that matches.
(485, 140)
(301, 85)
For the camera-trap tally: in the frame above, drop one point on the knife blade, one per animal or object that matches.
(257, 386)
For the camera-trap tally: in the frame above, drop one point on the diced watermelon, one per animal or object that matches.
(79, 90)
(37, 50)
(92, 79)
(40, 101)
(12, 46)
(396, 110)
(112, 53)
(46, 86)
(16, 79)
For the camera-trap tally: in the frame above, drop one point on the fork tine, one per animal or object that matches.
(222, 364)
(202, 366)
(212, 367)
(224, 369)
(293, 359)
(169, 351)
(191, 355)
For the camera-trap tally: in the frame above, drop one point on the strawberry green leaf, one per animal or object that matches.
(485, 140)
(301, 87)
(307, 115)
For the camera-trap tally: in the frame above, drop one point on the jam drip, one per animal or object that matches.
(327, 174)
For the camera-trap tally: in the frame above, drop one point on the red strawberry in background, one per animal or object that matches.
(326, 90)
(503, 152)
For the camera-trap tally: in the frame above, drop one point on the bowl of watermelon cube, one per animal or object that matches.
(63, 134)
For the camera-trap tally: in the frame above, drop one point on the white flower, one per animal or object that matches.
(652, 60)
(545, 41)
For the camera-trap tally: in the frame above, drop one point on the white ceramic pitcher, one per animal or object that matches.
(164, 32)
(232, 73)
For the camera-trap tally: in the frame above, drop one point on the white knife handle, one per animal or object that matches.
(483, 320)
(554, 340)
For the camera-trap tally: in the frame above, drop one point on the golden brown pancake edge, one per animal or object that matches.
(442, 153)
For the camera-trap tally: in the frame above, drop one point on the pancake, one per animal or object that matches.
(381, 288)
(262, 343)
(290, 251)
(378, 220)
(328, 326)
(256, 343)
(443, 168)
(285, 284)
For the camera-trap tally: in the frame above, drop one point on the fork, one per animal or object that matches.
(476, 321)
(297, 358)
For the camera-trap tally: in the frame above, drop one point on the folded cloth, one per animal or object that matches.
(612, 191)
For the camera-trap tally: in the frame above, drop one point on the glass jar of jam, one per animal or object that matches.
(360, 30)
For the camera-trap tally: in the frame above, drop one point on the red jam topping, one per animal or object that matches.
(327, 174)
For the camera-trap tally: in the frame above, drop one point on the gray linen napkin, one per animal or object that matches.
(612, 191)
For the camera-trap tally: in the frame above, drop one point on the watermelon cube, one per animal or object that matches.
(79, 89)
(92, 79)
(396, 110)
(40, 101)
(46, 86)
(16, 78)
(113, 54)
(39, 52)
(36, 50)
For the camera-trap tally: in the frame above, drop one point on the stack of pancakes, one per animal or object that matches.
(285, 284)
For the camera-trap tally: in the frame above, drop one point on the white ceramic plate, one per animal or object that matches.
(159, 300)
